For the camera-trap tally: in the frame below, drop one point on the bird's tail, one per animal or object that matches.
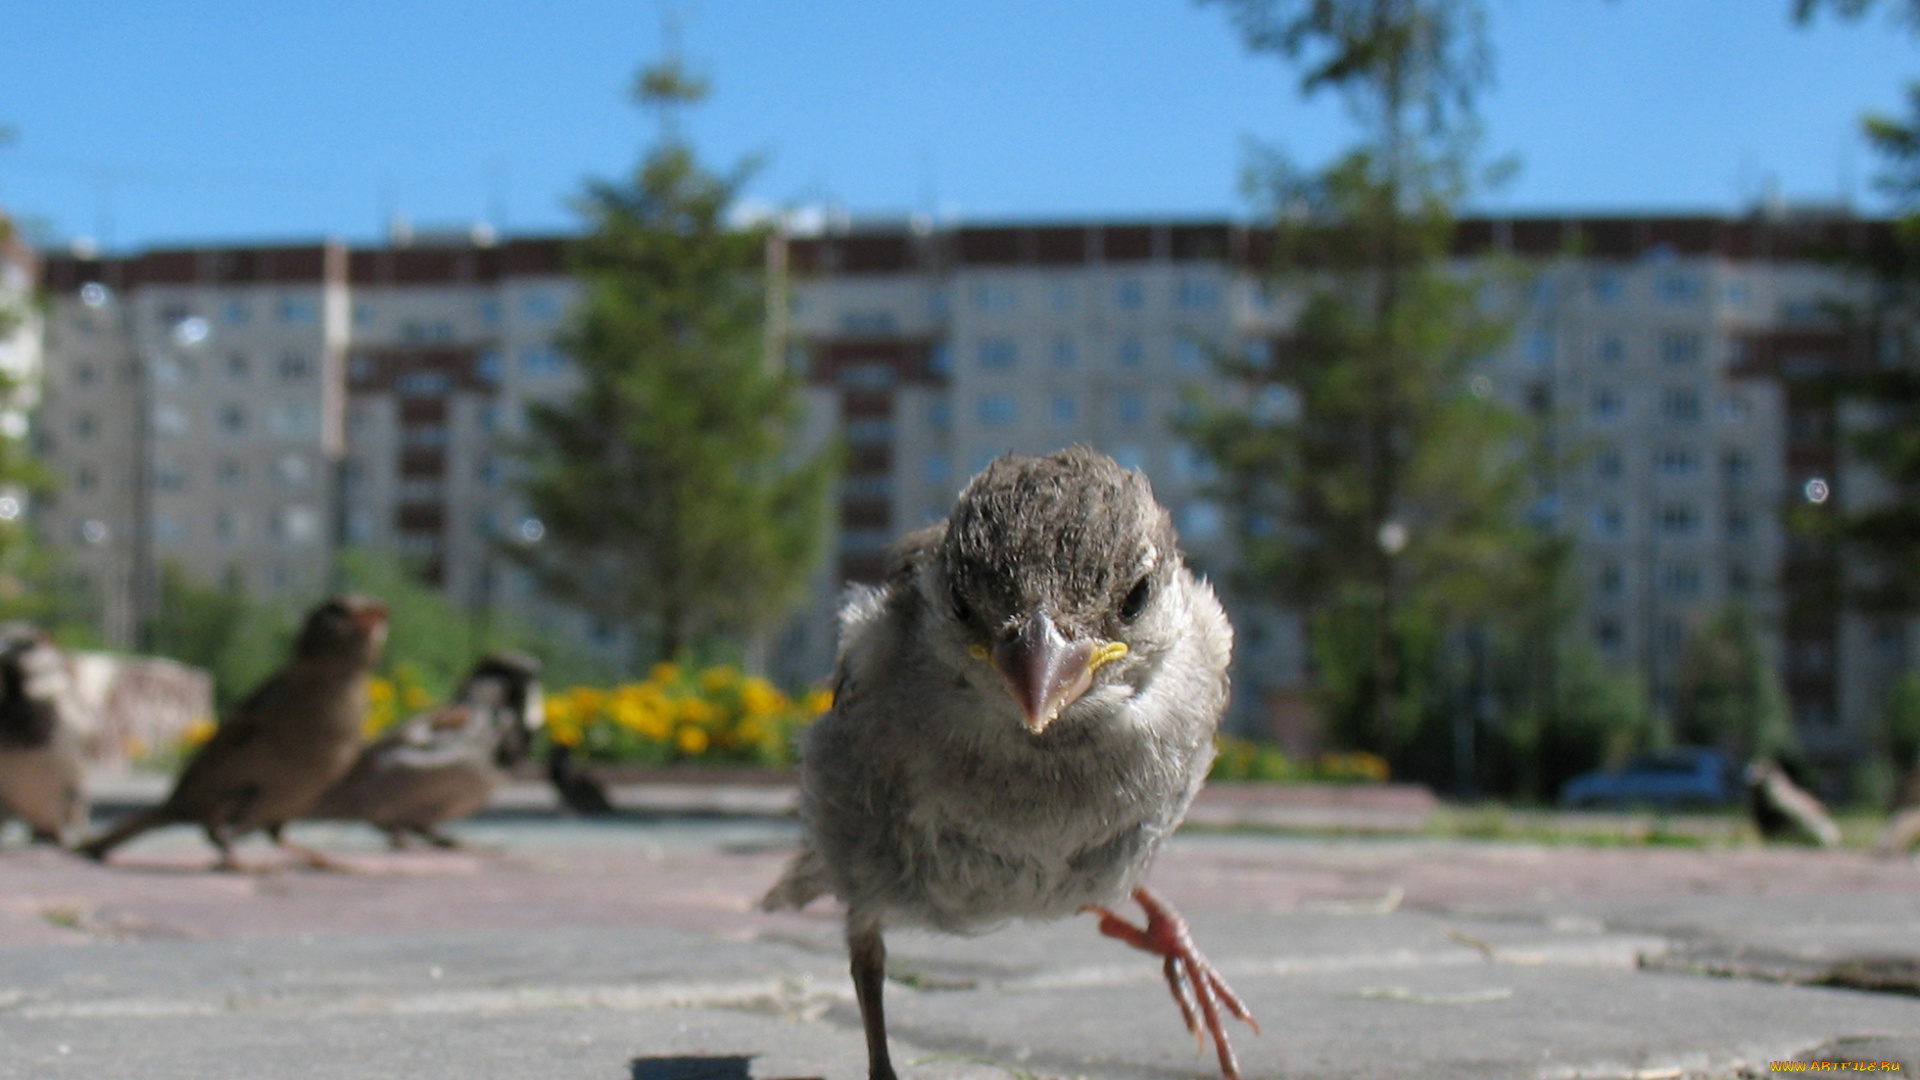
(98, 847)
(804, 880)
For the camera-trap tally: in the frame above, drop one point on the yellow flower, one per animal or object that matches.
(417, 697)
(715, 679)
(379, 691)
(697, 711)
(664, 672)
(198, 732)
(818, 701)
(559, 709)
(565, 733)
(691, 741)
(759, 698)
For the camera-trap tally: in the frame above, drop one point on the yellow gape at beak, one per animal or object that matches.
(1045, 672)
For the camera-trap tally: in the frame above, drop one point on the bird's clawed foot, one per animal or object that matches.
(1197, 987)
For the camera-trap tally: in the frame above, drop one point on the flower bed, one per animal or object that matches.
(715, 716)
(1244, 759)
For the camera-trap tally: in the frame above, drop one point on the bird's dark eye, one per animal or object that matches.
(1136, 600)
(961, 610)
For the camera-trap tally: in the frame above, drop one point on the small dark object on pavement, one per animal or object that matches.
(444, 764)
(1782, 809)
(283, 745)
(1022, 714)
(42, 780)
(578, 790)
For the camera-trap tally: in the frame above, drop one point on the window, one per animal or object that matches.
(488, 366)
(1607, 633)
(1609, 521)
(424, 384)
(867, 323)
(867, 487)
(489, 312)
(1679, 519)
(1192, 466)
(85, 478)
(1060, 298)
(236, 313)
(84, 426)
(1197, 294)
(1739, 580)
(421, 489)
(85, 374)
(940, 359)
(1678, 288)
(295, 366)
(168, 530)
(541, 360)
(1676, 460)
(1130, 457)
(1130, 296)
(1608, 288)
(939, 414)
(998, 354)
(423, 437)
(418, 331)
(1680, 347)
(1063, 409)
(170, 476)
(1189, 355)
(298, 311)
(1610, 349)
(997, 410)
(294, 471)
(239, 366)
(230, 525)
(935, 468)
(294, 419)
(1130, 407)
(1607, 404)
(1612, 580)
(1738, 524)
(363, 314)
(1064, 353)
(1736, 293)
(869, 431)
(995, 296)
(1734, 409)
(1680, 404)
(1608, 465)
(231, 473)
(1131, 352)
(540, 305)
(170, 420)
(298, 525)
(1680, 579)
(1539, 348)
(1735, 466)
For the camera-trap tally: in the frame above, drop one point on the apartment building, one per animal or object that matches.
(1642, 343)
(298, 399)
(251, 410)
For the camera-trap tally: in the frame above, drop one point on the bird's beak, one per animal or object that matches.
(370, 618)
(1044, 671)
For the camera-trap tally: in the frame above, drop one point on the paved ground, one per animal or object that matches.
(630, 949)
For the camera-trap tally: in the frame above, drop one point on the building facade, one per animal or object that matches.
(252, 410)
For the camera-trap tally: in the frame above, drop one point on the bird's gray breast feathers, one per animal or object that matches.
(929, 803)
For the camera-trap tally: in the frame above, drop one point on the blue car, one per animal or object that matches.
(1678, 776)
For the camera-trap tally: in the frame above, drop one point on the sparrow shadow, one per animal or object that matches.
(697, 1067)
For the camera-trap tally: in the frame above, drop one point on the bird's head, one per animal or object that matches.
(349, 628)
(1059, 574)
(512, 681)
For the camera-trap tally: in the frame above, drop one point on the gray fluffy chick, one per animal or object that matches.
(42, 780)
(1022, 714)
(282, 746)
(444, 764)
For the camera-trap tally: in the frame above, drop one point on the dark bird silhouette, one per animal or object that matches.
(444, 764)
(283, 745)
(1022, 714)
(578, 790)
(42, 779)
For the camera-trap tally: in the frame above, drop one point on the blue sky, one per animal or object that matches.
(143, 123)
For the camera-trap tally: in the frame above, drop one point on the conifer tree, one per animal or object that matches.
(674, 499)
